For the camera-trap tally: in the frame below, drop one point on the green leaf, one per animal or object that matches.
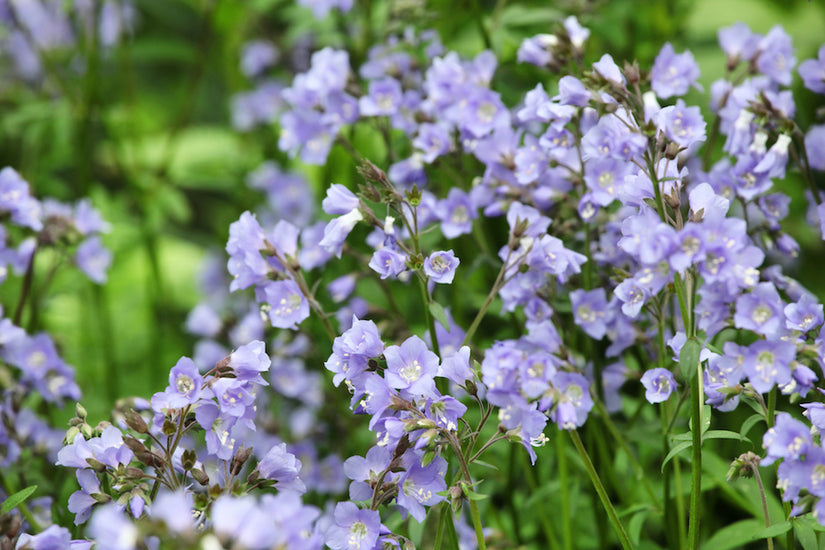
(711, 434)
(675, 451)
(450, 540)
(742, 532)
(689, 358)
(748, 424)
(439, 314)
(686, 442)
(634, 526)
(16, 499)
(806, 536)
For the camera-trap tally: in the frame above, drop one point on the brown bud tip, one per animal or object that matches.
(136, 422)
(200, 476)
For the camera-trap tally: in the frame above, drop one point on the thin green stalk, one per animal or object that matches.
(24, 292)
(597, 484)
(755, 470)
(425, 298)
(544, 521)
(477, 525)
(499, 282)
(680, 501)
(696, 464)
(564, 479)
(634, 462)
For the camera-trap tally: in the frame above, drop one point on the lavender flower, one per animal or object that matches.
(288, 306)
(440, 266)
(659, 384)
(673, 74)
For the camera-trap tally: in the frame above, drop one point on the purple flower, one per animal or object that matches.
(249, 361)
(456, 213)
(337, 230)
(672, 74)
(776, 56)
(25, 210)
(787, 439)
(419, 485)
(288, 306)
(659, 384)
(738, 42)
(185, 384)
(632, 295)
(383, 98)
(257, 56)
(768, 363)
(575, 31)
(354, 529)
(52, 537)
(804, 315)
(572, 401)
(440, 266)
(339, 200)
(388, 263)
(760, 310)
(590, 311)
(282, 467)
(814, 145)
(175, 509)
(411, 367)
(111, 529)
(683, 125)
(537, 50)
(812, 72)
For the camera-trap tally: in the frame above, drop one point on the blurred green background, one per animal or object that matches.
(144, 130)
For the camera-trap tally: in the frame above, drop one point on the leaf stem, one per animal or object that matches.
(597, 484)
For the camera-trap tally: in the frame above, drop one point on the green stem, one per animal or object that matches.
(566, 533)
(696, 463)
(542, 510)
(637, 467)
(425, 298)
(597, 484)
(499, 282)
(456, 446)
(24, 292)
(755, 470)
(771, 407)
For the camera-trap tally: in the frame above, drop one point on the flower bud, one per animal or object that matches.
(200, 476)
(71, 433)
(80, 411)
(134, 445)
(136, 422)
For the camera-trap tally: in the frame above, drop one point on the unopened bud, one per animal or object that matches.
(188, 459)
(80, 411)
(169, 427)
(71, 433)
(134, 473)
(86, 430)
(135, 421)
(414, 196)
(253, 477)
(672, 199)
(672, 150)
(240, 459)
(101, 498)
(134, 445)
(96, 465)
(200, 476)
(631, 72)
